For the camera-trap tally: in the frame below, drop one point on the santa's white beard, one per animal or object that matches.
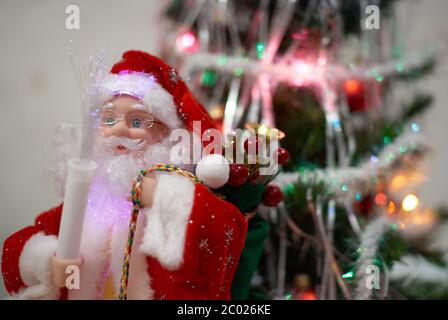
(112, 182)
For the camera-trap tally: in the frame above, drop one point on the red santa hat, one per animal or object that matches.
(151, 80)
(168, 98)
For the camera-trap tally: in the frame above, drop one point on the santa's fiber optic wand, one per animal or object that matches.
(80, 170)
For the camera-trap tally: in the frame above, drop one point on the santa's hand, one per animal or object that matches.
(62, 268)
(147, 194)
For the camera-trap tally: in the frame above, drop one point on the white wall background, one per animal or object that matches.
(38, 88)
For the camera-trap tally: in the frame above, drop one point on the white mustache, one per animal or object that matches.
(110, 143)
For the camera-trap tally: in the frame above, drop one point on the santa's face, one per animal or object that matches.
(131, 139)
(127, 118)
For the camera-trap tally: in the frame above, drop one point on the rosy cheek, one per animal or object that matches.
(105, 132)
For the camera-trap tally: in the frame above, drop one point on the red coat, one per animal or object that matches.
(187, 246)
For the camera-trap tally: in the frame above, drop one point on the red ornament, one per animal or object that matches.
(356, 95)
(364, 206)
(282, 156)
(272, 195)
(238, 175)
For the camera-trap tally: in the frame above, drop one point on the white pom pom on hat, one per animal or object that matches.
(213, 170)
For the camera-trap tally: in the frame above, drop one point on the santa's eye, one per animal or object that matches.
(139, 120)
(136, 123)
(110, 121)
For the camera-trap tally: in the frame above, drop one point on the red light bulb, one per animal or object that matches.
(187, 42)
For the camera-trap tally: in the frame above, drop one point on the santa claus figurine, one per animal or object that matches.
(187, 241)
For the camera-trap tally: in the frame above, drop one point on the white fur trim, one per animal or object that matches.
(98, 243)
(35, 268)
(167, 220)
(145, 87)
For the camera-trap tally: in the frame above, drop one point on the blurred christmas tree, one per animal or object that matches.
(351, 225)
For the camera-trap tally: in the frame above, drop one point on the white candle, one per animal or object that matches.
(79, 177)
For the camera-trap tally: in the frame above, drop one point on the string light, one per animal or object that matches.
(322, 61)
(415, 127)
(187, 42)
(222, 60)
(381, 199)
(238, 72)
(391, 207)
(353, 86)
(406, 179)
(410, 202)
(217, 112)
(400, 67)
(260, 48)
(285, 72)
(398, 182)
(209, 78)
(306, 73)
(309, 295)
